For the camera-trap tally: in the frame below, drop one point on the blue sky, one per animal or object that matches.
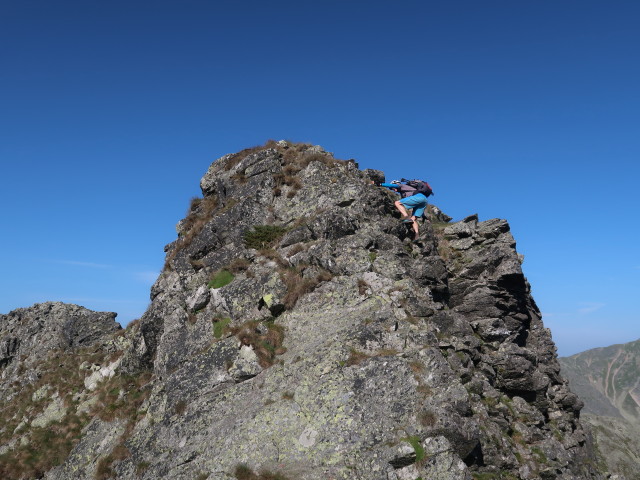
(529, 111)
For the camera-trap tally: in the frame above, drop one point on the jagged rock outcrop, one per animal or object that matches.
(296, 329)
(28, 335)
(47, 352)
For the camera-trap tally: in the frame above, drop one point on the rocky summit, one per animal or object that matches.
(297, 332)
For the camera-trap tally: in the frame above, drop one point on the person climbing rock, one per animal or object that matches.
(414, 193)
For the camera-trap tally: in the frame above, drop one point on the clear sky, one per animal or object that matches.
(110, 113)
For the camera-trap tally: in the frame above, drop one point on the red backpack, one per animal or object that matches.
(421, 187)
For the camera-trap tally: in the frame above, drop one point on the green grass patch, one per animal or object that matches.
(219, 324)
(417, 447)
(220, 278)
(263, 236)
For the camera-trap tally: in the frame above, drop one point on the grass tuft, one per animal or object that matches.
(266, 344)
(220, 278)
(356, 357)
(219, 326)
(263, 236)
(297, 285)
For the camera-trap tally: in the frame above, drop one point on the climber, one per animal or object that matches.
(414, 195)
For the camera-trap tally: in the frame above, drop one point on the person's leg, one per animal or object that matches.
(418, 203)
(414, 225)
(401, 208)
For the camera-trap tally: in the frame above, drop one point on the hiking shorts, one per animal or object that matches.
(417, 202)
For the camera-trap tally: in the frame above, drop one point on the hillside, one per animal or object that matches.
(296, 332)
(608, 380)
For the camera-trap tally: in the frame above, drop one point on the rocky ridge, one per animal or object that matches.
(297, 333)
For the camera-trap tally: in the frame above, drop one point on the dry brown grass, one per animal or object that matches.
(104, 469)
(387, 352)
(266, 345)
(297, 248)
(424, 390)
(236, 158)
(48, 446)
(271, 254)
(120, 397)
(180, 408)
(427, 419)
(242, 472)
(363, 286)
(356, 357)
(238, 265)
(298, 285)
(417, 366)
(200, 212)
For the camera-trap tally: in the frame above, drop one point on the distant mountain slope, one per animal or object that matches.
(618, 445)
(607, 380)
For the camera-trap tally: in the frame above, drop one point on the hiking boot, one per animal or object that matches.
(407, 220)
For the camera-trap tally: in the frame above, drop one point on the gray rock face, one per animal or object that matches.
(297, 330)
(31, 333)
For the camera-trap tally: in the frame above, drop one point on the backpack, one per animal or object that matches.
(421, 187)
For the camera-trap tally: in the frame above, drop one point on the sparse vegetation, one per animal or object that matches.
(271, 254)
(266, 344)
(219, 326)
(263, 236)
(427, 419)
(142, 467)
(200, 212)
(299, 285)
(238, 265)
(297, 248)
(417, 366)
(104, 469)
(220, 278)
(38, 449)
(363, 286)
(386, 352)
(243, 472)
(61, 377)
(540, 455)
(180, 407)
(424, 390)
(120, 397)
(236, 158)
(493, 476)
(356, 357)
(417, 447)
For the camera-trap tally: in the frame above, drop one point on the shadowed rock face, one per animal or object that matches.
(333, 347)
